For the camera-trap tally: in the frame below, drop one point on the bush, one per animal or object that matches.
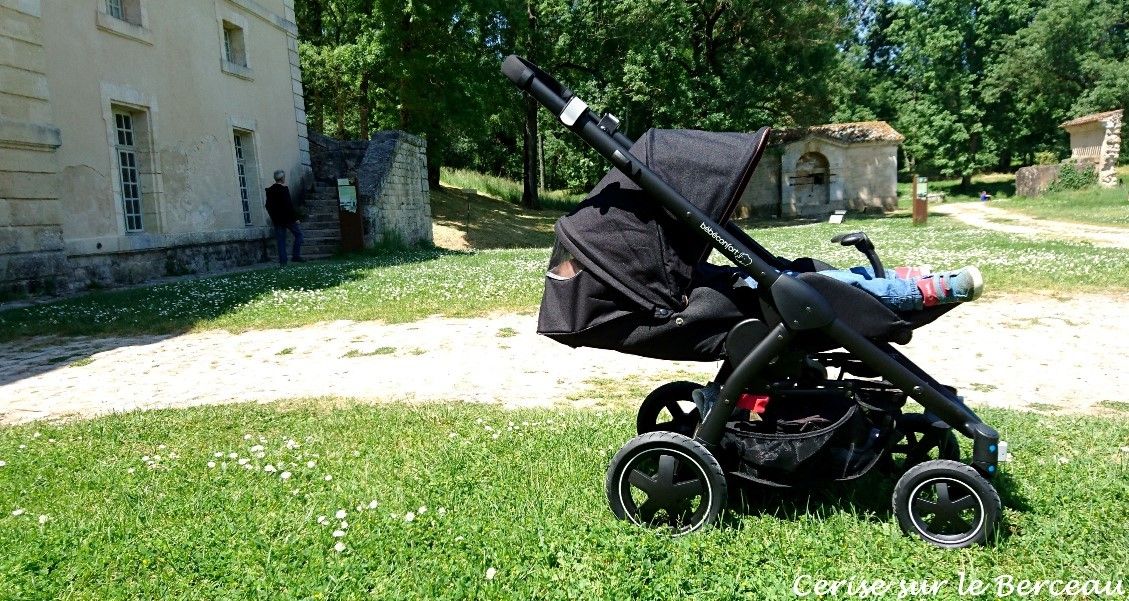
(1073, 176)
(1046, 158)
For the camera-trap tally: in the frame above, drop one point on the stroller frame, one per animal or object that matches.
(798, 308)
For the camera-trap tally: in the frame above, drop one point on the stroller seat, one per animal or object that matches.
(640, 283)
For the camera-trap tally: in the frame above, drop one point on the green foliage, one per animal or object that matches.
(1074, 177)
(1046, 157)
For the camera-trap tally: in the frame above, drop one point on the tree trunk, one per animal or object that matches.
(529, 195)
(366, 106)
(530, 198)
(965, 180)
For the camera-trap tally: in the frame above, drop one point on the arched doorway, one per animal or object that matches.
(812, 179)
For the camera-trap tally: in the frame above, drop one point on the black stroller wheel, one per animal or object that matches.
(947, 503)
(669, 408)
(664, 479)
(920, 441)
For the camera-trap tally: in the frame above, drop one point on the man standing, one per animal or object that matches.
(284, 217)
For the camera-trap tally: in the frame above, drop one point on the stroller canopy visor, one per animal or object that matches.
(631, 243)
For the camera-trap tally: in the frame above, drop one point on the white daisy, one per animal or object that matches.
(284, 475)
(372, 504)
(328, 477)
(311, 464)
(441, 511)
(211, 464)
(17, 512)
(408, 517)
(339, 547)
(246, 437)
(422, 509)
(340, 514)
(270, 469)
(323, 520)
(244, 461)
(490, 573)
(338, 533)
(43, 519)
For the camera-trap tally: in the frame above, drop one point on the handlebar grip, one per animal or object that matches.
(523, 72)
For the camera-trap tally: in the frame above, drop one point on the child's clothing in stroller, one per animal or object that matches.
(912, 292)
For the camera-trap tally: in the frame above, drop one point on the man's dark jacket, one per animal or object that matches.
(279, 207)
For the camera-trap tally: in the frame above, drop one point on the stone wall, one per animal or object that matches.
(32, 257)
(390, 172)
(212, 254)
(1034, 180)
(1110, 152)
(392, 189)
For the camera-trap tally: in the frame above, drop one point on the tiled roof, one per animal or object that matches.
(859, 131)
(1092, 118)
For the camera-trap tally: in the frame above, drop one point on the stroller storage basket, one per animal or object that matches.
(806, 436)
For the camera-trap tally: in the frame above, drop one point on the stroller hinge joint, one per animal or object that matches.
(609, 123)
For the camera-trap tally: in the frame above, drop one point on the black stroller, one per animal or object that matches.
(629, 272)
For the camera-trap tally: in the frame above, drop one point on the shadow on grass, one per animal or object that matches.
(492, 223)
(867, 498)
(145, 315)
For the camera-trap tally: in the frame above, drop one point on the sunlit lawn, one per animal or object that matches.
(407, 285)
(243, 502)
(1108, 206)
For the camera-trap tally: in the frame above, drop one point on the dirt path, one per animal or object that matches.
(993, 217)
(1011, 351)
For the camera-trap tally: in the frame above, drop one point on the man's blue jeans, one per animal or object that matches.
(280, 237)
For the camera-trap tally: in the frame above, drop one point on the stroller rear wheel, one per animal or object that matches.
(669, 408)
(947, 503)
(664, 479)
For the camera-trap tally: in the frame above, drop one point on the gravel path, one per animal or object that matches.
(1009, 351)
(993, 217)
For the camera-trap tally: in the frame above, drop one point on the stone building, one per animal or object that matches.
(136, 136)
(814, 171)
(390, 175)
(1097, 139)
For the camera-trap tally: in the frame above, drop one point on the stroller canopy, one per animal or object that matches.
(631, 243)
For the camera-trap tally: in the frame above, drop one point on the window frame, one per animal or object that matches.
(129, 170)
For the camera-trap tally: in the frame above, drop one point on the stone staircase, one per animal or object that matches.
(321, 227)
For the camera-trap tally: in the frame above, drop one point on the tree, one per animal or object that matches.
(1072, 59)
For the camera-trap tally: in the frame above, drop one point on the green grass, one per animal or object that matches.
(384, 350)
(1101, 206)
(506, 189)
(394, 286)
(405, 285)
(528, 502)
(999, 185)
(485, 222)
(1009, 263)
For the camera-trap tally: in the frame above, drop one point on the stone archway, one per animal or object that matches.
(812, 179)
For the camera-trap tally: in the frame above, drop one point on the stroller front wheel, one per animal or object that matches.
(947, 503)
(665, 479)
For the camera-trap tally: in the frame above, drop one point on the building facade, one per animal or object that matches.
(137, 136)
(814, 171)
(1096, 139)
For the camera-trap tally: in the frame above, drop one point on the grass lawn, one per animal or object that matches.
(127, 507)
(399, 286)
(999, 185)
(1093, 205)
(506, 189)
